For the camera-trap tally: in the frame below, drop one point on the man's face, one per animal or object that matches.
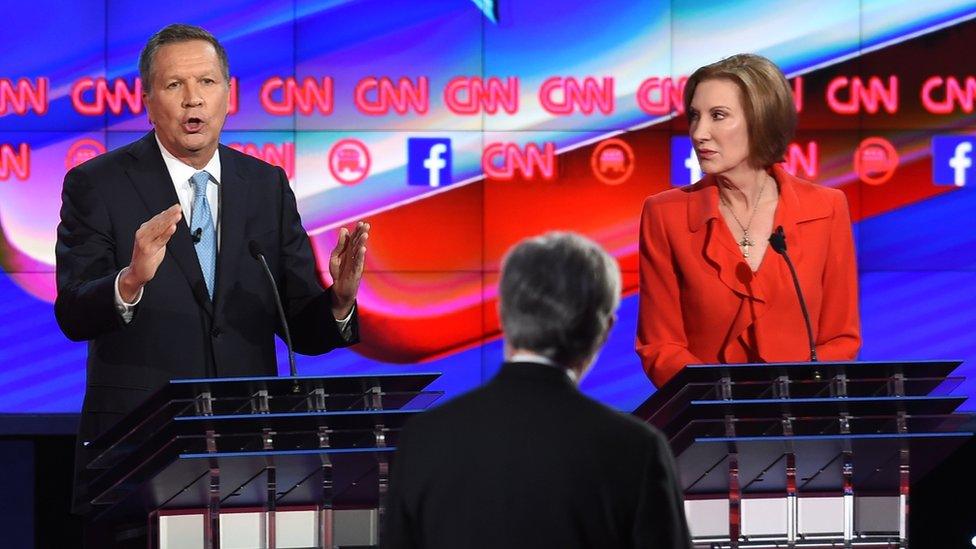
(187, 100)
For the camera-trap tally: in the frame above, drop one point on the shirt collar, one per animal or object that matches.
(533, 358)
(180, 172)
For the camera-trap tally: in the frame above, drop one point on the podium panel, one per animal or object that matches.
(248, 529)
(216, 462)
(806, 454)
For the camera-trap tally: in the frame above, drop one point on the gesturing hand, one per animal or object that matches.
(148, 251)
(346, 267)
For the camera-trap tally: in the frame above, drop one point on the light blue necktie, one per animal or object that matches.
(202, 221)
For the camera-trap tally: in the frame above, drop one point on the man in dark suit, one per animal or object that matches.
(153, 262)
(527, 460)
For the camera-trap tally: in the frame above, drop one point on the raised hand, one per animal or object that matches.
(148, 251)
(346, 267)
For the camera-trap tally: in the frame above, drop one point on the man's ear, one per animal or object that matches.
(606, 333)
(145, 104)
(584, 367)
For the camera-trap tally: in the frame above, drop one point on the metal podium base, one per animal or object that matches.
(828, 542)
(820, 522)
(248, 529)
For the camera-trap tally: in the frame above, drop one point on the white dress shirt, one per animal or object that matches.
(181, 173)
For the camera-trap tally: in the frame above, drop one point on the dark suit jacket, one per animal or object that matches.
(529, 461)
(177, 330)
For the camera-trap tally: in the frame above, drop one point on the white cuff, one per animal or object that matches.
(345, 330)
(127, 310)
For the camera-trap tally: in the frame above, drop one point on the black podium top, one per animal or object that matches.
(235, 396)
(698, 381)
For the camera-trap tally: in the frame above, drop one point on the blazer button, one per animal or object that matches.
(215, 332)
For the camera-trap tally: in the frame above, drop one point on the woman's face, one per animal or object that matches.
(718, 127)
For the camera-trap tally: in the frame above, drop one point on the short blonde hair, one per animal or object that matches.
(767, 100)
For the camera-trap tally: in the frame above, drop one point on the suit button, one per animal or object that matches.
(215, 332)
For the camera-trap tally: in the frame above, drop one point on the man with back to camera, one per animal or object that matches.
(153, 262)
(527, 460)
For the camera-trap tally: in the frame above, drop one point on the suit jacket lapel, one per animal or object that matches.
(719, 247)
(792, 212)
(796, 211)
(233, 209)
(152, 181)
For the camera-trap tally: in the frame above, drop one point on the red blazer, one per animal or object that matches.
(700, 303)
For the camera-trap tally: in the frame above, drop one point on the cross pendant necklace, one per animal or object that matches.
(746, 243)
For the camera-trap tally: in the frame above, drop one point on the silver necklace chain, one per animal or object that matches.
(746, 242)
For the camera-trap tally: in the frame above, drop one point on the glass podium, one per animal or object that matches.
(264, 444)
(806, 454)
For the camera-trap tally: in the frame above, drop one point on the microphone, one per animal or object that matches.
(778, 242)
(258, 254)
(196, 235)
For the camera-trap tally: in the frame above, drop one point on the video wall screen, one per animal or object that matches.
(458, 127)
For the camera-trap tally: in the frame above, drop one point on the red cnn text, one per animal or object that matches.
(14, 162)
(870, 96)
(377, 96)
(803, 161)
(506, 161)
(473, 95)
(563, 96)
(17, 97)
(953, 94)
(283, 96)
(282, 155)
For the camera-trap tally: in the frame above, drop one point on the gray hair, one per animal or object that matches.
(172, 34)
(558, 294)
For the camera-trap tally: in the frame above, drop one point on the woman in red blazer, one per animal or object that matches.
(711, 288)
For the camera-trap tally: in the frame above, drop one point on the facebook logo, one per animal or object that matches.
(952, 160)
(684, 163)
(429, 161)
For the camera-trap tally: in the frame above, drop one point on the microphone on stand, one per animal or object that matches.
(258, 254)
(778, 242)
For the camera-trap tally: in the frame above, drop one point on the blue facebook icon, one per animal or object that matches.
(429, 161)
(952, 160)
(684, 162)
